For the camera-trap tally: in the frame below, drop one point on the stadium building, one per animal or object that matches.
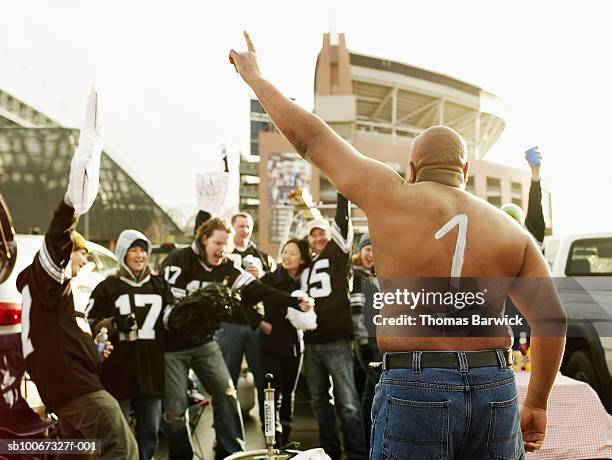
(379, 106)
(35, 155)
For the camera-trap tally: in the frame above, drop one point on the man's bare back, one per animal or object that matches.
(403, 230)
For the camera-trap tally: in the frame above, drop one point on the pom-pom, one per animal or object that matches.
(304, 320)
(196, 317)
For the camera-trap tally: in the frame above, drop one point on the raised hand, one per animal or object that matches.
(535, 170)
(245, 62)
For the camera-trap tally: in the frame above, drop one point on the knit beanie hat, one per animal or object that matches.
(364, 241)
(78, 241)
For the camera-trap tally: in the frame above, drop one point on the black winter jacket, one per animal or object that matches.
(284, 340)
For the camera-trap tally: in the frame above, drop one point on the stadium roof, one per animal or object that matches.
(35, 155)
(411, 71)
(15, 113)
(393, 97)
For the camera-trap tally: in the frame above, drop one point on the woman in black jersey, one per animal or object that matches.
(130, 305)
(280, 343)
(364, 282)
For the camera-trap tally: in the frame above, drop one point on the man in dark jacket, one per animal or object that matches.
(328, 355)
(235, 337)
(57, 343)
(187, 270)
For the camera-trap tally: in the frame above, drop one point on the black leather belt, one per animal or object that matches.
(447, 360)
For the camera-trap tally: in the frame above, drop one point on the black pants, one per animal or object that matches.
(366, 354)
(286, 371)
(97, 415)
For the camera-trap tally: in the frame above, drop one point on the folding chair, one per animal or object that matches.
(17, 419)
(24, 423)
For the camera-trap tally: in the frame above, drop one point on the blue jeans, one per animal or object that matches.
(235, 340)
(147, 413)
(335, 360)
(434, 413)
(207, 363)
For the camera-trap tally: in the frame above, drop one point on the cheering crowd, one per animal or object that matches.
(145, 372)
(306, 308)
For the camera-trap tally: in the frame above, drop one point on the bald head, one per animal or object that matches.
(439, 154)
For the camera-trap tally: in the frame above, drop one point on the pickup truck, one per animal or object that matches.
(582, 267)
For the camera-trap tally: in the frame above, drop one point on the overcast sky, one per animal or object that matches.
(170, 97)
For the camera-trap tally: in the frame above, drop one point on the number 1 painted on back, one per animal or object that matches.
(462, 221)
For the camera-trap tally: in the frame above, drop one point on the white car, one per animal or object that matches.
(102, 263)
(582, 267)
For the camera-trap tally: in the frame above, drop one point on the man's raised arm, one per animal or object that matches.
(534, 222)
(82, 190)
(361, 179)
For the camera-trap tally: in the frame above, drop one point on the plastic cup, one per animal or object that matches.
(532, 156)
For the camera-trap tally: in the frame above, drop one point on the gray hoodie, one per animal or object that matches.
(125, 240)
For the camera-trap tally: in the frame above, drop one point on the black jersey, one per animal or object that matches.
(186, 272)
(285, 340)
(134, 368)
(60, 353)
(327, 281)
(263, 261)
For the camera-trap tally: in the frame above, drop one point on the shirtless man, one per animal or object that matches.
(457, 403)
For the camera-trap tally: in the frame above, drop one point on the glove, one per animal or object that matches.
(85, 165)
(124, 323)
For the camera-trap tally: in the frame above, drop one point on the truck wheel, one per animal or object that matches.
(579, 367)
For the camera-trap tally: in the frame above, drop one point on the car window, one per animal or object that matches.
(590, 257)
(105, 265)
